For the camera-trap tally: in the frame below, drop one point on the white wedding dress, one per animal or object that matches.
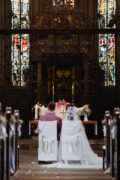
(86, 157)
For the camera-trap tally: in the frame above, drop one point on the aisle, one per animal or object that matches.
(31, 170)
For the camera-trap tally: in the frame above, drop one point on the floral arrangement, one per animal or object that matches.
(85, 111)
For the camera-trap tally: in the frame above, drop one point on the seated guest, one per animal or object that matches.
(50, 116)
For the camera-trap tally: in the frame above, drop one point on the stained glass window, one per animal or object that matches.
(106, 9)
(20, 42)
(61, 2)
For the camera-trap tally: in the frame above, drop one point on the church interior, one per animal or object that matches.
(51, 49)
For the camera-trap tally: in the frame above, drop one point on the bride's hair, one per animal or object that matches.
(69, 112)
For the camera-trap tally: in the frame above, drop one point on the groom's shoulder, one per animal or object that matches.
(57, 117)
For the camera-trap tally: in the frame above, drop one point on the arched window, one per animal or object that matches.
(106, 10)
(20, 42)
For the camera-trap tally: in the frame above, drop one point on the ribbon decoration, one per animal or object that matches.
(72, 142)
(113, 132)
(104, 130)
(19, 130)
(3, 133)
(47, 145)
(12, 129)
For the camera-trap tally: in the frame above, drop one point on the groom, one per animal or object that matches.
(50, 116)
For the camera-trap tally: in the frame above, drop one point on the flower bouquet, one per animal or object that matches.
(85, 111)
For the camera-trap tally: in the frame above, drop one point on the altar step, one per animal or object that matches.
(32, 144)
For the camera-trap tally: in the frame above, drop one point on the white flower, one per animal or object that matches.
(85, 111)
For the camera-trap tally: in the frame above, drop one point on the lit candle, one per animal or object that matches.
(53, 90)
(43, 110)
(36, 111)
(73, 89)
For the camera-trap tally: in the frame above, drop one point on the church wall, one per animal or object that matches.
(1, 47)
(16, 97)
(92, 88)
(4, 44)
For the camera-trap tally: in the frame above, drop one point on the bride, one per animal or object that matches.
(83, 155)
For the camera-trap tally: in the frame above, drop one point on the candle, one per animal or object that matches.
(43, 110)
(36, 111)
(73, 89)
(53, 90)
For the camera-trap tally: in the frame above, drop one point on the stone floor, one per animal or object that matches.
(30, 170)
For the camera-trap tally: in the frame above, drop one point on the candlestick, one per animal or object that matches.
(73, 89)
(53, 91)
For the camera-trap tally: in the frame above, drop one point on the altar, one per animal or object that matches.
(60, 111)
(85, 124)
